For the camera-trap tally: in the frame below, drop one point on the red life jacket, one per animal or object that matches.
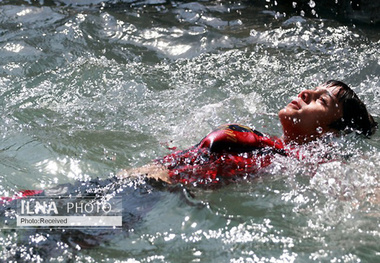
(232, 151)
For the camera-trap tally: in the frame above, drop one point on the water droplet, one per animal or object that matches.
(319, 130)
(311, 3)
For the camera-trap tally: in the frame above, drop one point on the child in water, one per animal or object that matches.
(234, 151)
(226, 154)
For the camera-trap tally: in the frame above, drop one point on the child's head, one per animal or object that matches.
(331, 107)
(355, 115)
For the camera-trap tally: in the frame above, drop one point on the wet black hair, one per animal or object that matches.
(355, 115)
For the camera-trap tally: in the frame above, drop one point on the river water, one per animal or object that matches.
(89, 89)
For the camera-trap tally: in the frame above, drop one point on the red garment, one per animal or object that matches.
(230, 152)
(21, 194)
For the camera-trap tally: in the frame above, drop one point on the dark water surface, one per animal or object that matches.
(87, 90)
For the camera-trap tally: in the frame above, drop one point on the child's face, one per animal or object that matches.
(309, 115)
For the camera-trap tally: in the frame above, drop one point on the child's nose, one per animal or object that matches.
(306, 96)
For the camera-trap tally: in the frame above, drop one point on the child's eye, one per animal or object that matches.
(323, 100)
